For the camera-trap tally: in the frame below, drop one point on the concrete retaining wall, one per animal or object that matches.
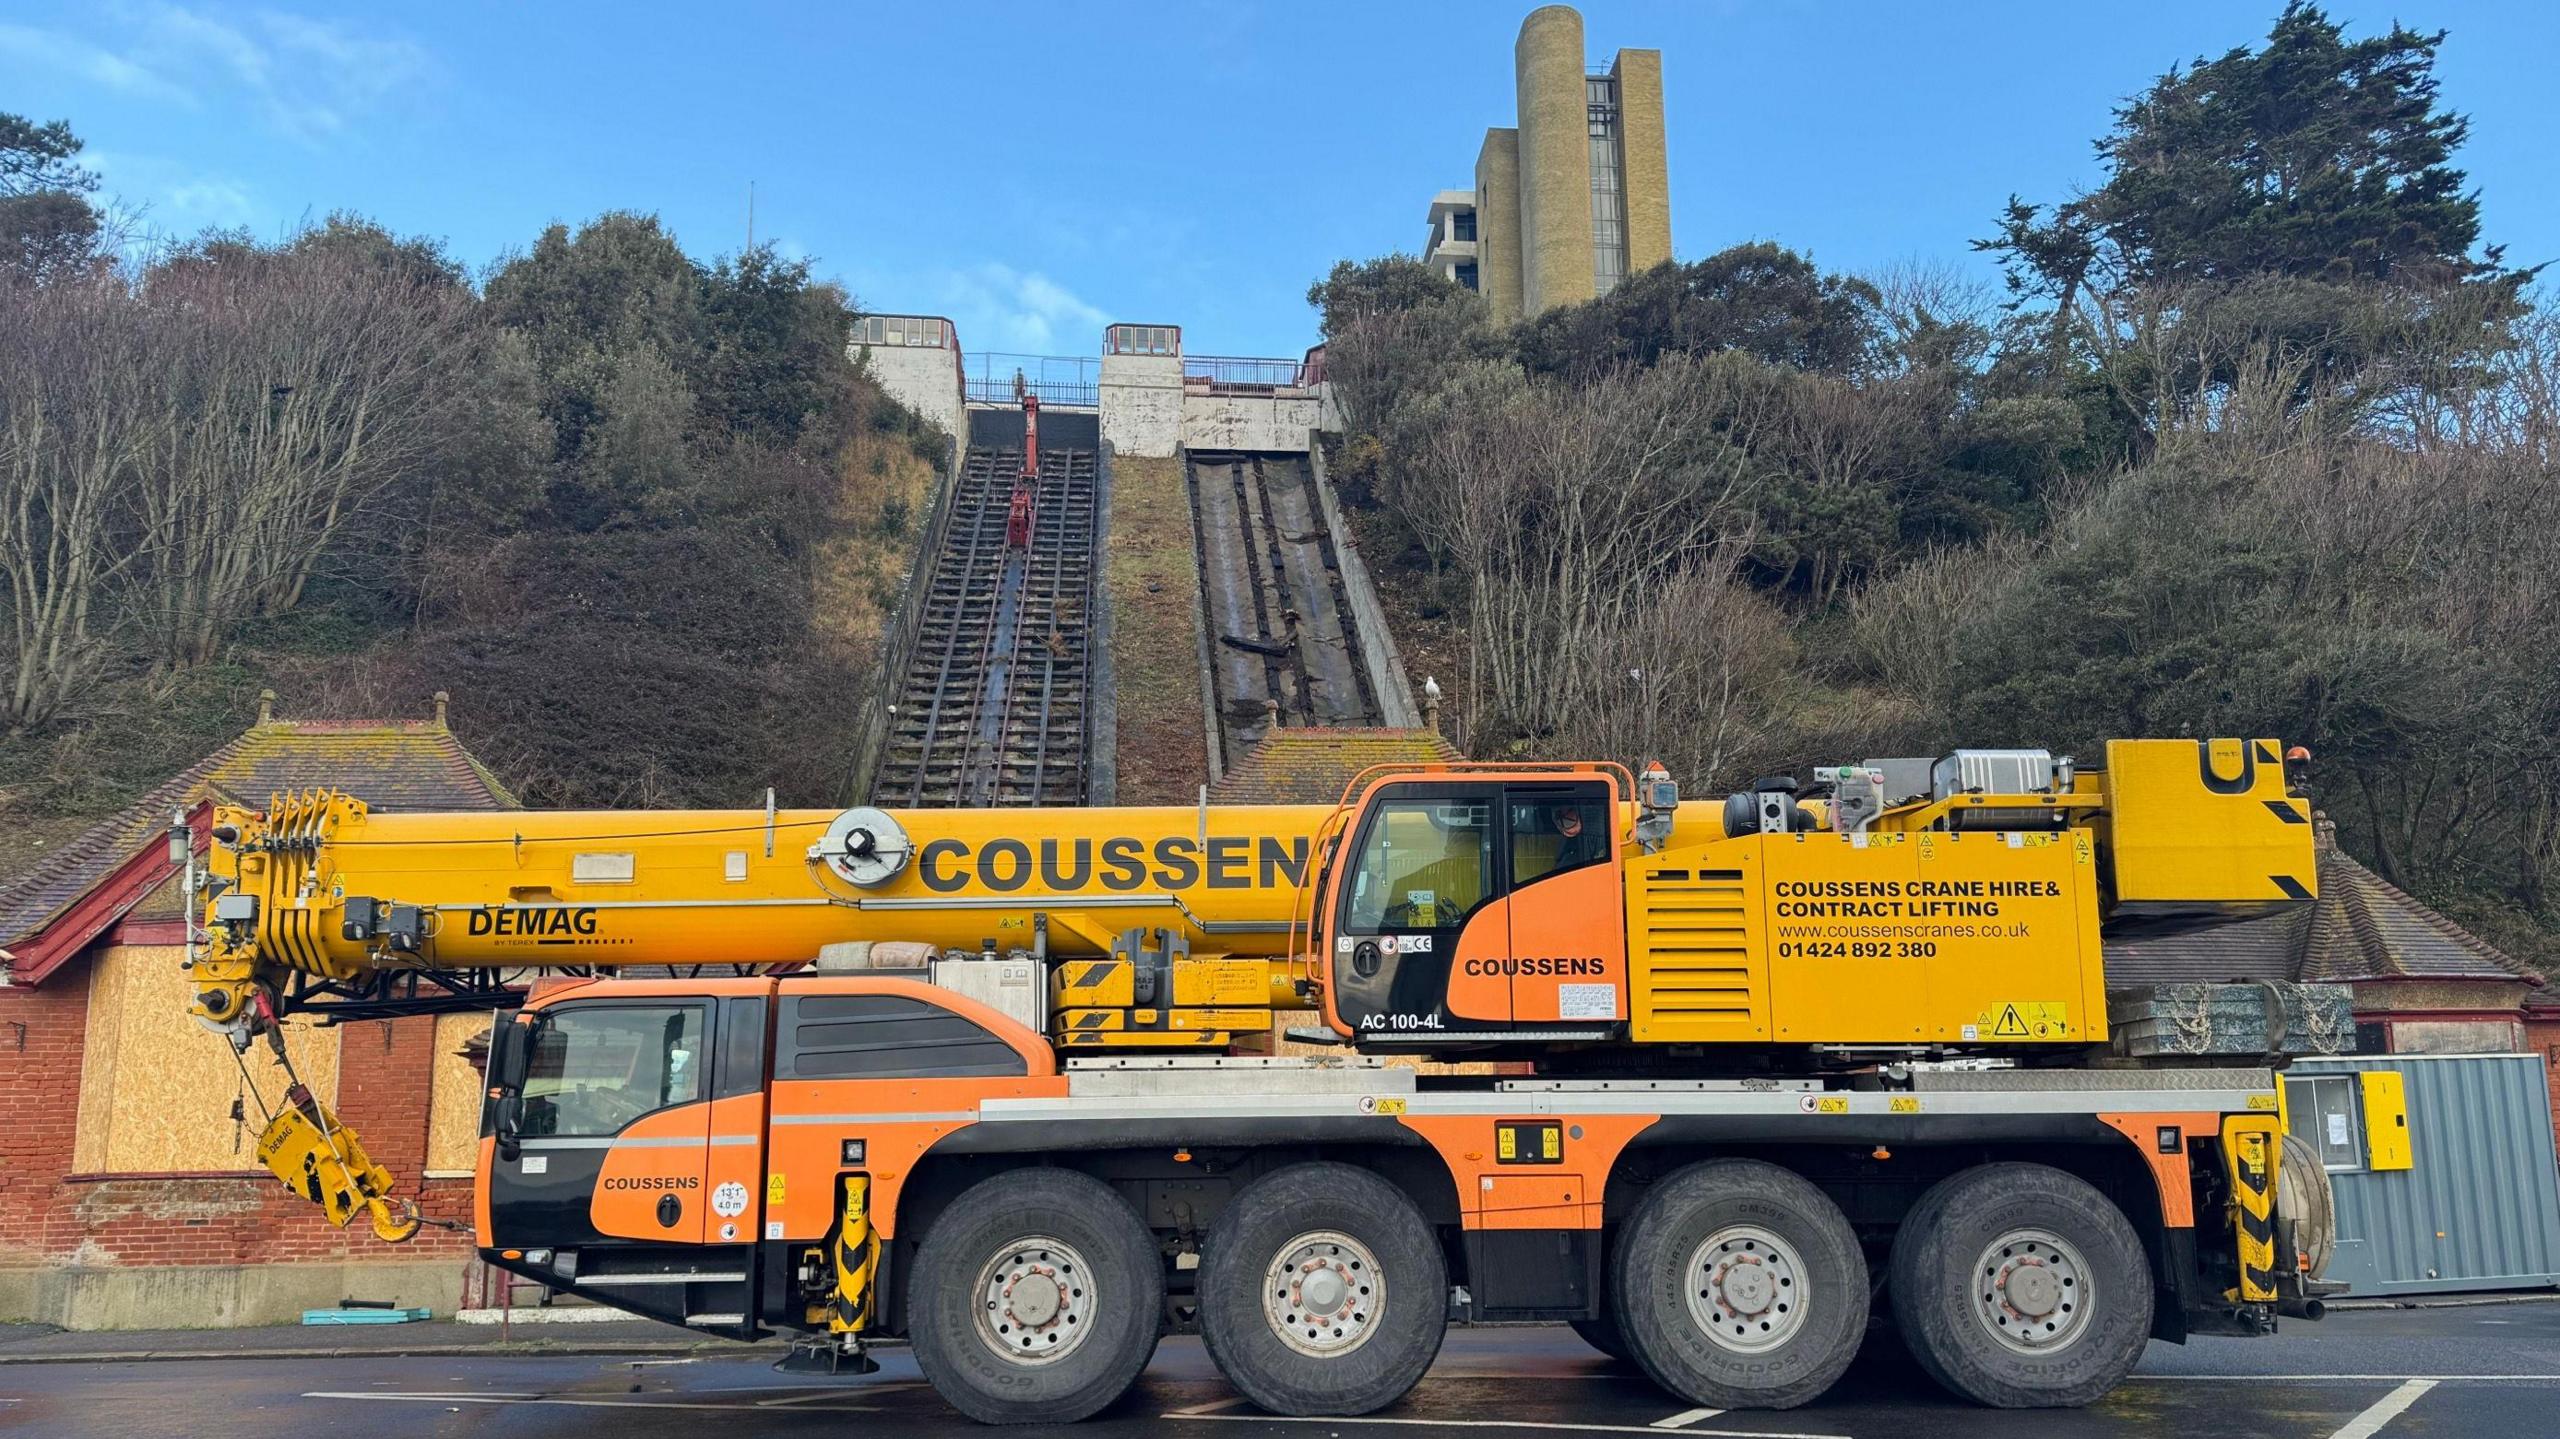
(1142, 404)
(924, 379)
(1271, 423)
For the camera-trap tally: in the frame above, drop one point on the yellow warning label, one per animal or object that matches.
(1506, 1142)
(2026, 1019)
(1903, 1104)
(1831, 1104)
(773, 1189)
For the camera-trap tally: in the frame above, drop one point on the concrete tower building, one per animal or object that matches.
(1577, 196)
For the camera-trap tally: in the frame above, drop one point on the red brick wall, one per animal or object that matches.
(2542, 1036)
(48, 1216)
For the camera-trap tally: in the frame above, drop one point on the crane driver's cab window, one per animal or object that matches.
(1424, 864)
(595, 1070)
(1554, 833)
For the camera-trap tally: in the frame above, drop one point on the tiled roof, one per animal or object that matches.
(2362, 927)
(390, 765)
(1311, 766)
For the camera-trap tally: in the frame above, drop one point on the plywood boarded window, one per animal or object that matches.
(454, 1090)
(156, 1089)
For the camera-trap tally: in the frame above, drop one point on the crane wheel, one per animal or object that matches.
(1740, 1285)
(1322, 1291)
(1037, 1298)
(2020, 1286)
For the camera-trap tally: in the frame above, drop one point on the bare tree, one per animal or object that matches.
(293, 386)
(75, 434)
(1571, 510)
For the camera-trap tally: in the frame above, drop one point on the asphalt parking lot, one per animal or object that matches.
(2483, 1370)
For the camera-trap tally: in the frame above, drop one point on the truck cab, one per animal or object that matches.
(639, 1134)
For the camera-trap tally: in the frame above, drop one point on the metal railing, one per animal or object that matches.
(1056, 379)
(1218, 371)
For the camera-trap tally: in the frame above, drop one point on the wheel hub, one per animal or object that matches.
(1036, 1301)
(1745, 1288)
(1322, 1292)
(2031, 1291)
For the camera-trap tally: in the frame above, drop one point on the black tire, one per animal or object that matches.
(1807, 1305)
(1392, 1344)
(1935, 1285)
(1005, 1224)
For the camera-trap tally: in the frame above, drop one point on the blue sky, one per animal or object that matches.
(1034, 172)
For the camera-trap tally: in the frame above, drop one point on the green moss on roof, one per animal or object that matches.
(1312, 766)
(389, 764)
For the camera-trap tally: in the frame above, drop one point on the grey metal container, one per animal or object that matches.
(2480, 1208)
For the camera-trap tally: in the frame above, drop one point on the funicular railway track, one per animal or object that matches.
(1281, 639)
(992, 707)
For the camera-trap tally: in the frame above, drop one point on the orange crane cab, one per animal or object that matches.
(1478, 906)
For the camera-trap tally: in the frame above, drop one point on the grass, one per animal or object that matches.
(1154, 582)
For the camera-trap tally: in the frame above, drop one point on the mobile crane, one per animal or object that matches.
(1780, 1047)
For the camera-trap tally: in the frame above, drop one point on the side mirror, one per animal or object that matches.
(510, 1057)
(511, 1054)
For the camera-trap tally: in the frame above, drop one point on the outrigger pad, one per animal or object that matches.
(824, 1356)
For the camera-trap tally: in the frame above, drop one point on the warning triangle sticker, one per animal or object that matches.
(2012, 1025)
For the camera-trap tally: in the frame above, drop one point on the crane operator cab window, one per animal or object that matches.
(594, 1070)
(1483, 905)
(1425, 865)
(1555, 832)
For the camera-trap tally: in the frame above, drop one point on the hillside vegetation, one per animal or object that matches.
(2260, 441)
(638, 513)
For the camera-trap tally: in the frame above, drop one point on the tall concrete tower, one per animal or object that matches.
(1578, 196)
(1555, 176)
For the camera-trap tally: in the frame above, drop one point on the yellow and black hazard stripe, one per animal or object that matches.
(2249, 1156)
(857, 1260)
(1097, 982)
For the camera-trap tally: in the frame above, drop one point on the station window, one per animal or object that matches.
(1465, 274)
(1462, 225)
(1143, 340)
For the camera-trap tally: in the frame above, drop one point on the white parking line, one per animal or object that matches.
(2384, 1410)
(2351, 1378)
(1685, 1418)
(1212, 1407)
(1506, 1424)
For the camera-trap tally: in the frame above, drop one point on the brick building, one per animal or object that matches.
(2423, 984)
(130, 1194)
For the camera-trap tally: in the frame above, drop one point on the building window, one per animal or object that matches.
(1462, 225)
(1608, 186)
(1142, 340)
(1465, 274)
(2327, 1112)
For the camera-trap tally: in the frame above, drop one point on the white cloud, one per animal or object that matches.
(120, 74)
(307, 79)
(998, 307)
(172, 198)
